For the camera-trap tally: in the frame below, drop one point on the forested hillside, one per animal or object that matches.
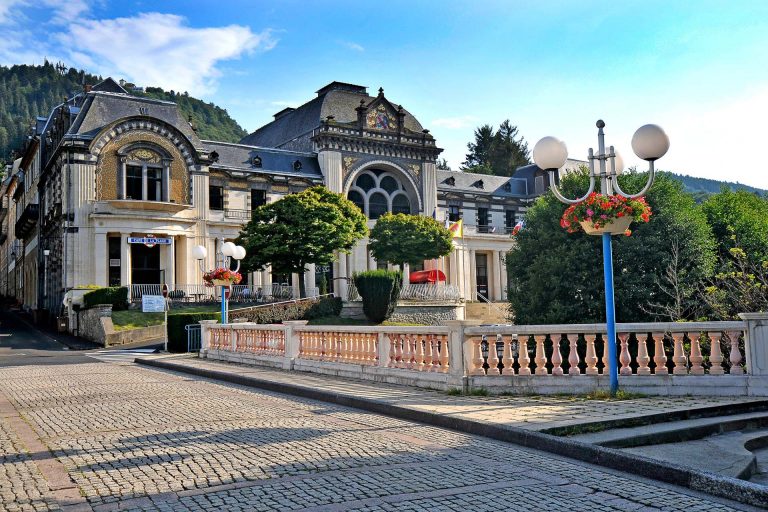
(29, 91)
(701, 188)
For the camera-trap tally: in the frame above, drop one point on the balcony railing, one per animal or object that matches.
(239, 293)
(486, 229)
(238, 214)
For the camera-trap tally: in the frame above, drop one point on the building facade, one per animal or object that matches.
(115, 189)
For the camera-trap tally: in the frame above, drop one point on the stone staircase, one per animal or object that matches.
(487, 312)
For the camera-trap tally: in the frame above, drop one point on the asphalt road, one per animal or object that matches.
(23, 344)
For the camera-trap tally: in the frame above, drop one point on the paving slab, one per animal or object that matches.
(550, 414)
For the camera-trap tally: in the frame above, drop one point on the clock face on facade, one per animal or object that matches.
(379, 119)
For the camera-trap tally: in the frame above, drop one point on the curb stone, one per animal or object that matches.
(710, 483)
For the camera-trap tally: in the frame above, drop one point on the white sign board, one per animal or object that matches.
(152, 303)
(149, 240)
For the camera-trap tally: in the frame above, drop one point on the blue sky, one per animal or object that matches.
(699, 69)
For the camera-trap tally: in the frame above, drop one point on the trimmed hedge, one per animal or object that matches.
(177, 335)
(380, 291)
(116, 295)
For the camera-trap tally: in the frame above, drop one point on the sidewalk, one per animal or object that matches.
(526, 421)
(549, 414)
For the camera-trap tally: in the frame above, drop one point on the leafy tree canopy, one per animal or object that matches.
(739, 219)
(301, 229)
(400, 238)
(498, 152)
(556, 277)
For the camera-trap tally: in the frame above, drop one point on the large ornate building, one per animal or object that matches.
(108, 170)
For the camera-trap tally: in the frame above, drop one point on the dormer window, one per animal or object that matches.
(507, 187)
(478, 184)
(450, 181)
(256, 161)
(296, 165)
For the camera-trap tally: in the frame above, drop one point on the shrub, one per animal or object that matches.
(116, 295)
(380, 290)
(177, 335)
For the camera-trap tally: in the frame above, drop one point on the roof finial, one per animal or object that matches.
(381, 91)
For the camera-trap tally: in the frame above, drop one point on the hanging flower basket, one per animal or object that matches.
(600, 214)
(221, 277)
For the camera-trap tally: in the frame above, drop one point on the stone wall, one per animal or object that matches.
(96, 326)
(423, 313)
(95, 323)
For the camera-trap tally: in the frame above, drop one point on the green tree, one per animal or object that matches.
(399, 238)
(556, 277)
(442, 164)
(301, 229)
(498, 152)
(739, 219)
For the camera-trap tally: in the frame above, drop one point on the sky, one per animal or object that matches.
(697, 68)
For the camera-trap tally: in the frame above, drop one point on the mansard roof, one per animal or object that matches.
(242, 157)
(469, 183)
(100, 109)
(337, 99)
(109, 85)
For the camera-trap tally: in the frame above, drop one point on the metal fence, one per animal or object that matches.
(194, 340)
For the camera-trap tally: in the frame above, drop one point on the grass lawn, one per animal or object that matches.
(135, 319)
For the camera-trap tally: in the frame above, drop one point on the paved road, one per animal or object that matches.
(101, 436)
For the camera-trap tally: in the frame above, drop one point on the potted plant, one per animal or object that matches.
(600, 213)
(221, 277)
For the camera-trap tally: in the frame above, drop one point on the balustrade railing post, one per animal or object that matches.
(205, 336)
(292, 340)
(382, 349)
(460, 347)
(756, 342)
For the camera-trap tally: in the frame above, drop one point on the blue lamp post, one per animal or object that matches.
(649, 143)
(227, 252)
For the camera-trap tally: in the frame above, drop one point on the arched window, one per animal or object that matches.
(377, 192)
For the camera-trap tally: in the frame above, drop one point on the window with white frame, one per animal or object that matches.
(144, 174)
(377, 192)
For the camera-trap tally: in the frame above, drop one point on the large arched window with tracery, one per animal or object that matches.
(377, 192)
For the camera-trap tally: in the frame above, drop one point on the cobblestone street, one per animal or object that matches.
(101, 436)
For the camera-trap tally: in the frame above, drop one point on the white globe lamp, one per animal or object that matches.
(550, 153)
(239, 252)
(650, 142)
(228, 249)
(199, 252)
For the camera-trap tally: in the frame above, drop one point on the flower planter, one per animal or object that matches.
(615, 227)
(221, 282)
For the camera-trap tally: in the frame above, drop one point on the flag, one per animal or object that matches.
(457, 228)
(520, 225)
(434, 214)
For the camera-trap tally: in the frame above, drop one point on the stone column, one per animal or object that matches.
(371, 261)
(429, 180)
(472, 277)
(504, 278)
(125, 260)
(100, 260)
(330, 165)
(309, 280)
(340, 285)
(495, 278)
(170, 263)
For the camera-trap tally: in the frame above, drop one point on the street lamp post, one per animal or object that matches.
(227, 252)
(649, 143)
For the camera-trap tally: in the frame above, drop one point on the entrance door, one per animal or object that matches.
(145, 264)
(481, 275)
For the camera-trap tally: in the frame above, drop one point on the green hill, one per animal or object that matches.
(701, 188)
(29, 91)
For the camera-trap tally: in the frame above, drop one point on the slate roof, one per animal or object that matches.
(240, 157)
(100, 109)
(467, 183)
(336, 99)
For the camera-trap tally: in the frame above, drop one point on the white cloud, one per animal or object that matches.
(159, 49)
(61, 12)
(352, 46)
(455, 123)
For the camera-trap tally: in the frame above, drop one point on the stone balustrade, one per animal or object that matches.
(705, 358)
